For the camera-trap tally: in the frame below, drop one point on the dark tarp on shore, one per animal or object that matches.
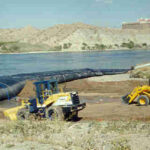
(10, 86)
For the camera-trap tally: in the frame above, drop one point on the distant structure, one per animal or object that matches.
(141, 24)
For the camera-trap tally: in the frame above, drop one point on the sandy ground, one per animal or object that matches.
(102, 95)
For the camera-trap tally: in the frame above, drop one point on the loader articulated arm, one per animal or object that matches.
(135, 93)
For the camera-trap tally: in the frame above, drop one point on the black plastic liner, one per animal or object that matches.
(10, 86)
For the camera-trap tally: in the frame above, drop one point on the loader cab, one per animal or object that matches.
(45, 89)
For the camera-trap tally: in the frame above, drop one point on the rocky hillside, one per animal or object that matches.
(77, 36)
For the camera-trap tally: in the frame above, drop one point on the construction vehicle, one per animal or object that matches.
(50, 102)
(140, 94)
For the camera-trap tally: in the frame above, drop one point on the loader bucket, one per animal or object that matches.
(12, 113)
(126, 99)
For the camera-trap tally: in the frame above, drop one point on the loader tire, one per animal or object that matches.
(54, 113)
(75, 116)
(23, 114)
(143, 100)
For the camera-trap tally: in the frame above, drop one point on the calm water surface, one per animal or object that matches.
(28, 63)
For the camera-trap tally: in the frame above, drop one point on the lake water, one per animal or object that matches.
(27, 63)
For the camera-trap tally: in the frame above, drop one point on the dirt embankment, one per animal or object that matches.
(143, 72)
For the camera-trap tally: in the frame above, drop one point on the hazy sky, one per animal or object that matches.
(45, 13)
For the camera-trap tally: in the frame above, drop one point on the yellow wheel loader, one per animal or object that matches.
(49, 103)
(140, 94)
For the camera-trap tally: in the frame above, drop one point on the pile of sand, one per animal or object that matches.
(28, 91)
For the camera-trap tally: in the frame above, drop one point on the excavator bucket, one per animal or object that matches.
(126, 99)
(12, 112)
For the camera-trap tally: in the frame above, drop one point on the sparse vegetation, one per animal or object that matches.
(5, 43)
(114, 135)
(131, 45)
(12, 47)
(100, 46)
(121, 144)
(85, 46)
(128, 45)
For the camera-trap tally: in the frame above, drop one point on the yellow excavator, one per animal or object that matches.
(140, 94)
(49, 103)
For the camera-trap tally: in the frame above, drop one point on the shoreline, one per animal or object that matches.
(70, 51)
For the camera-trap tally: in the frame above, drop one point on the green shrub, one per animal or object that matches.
(67, 45)
(144, 44)
(116, 45)
(129, 45)
(100, 46)
(84, 44)
(95, 47)
(88, 48)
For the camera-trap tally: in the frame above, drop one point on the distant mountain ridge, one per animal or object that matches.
(76, 36)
